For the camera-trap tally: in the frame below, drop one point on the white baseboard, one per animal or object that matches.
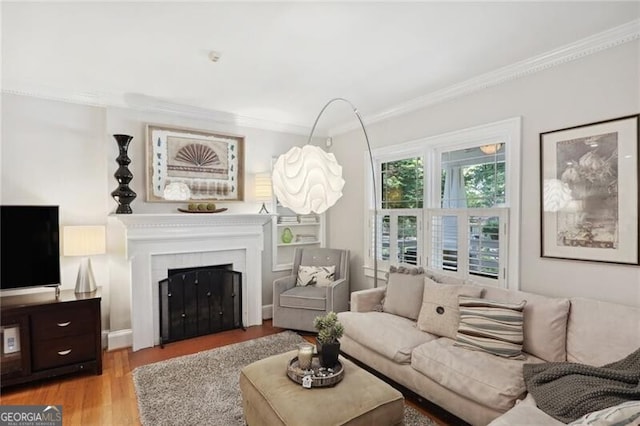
(124, 338)
(267, 312)
(119, 339)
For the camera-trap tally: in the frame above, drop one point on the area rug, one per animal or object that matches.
(203, 389)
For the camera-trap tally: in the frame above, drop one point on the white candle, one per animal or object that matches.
(305, 353)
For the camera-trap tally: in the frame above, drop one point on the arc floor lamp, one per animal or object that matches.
(309, 180)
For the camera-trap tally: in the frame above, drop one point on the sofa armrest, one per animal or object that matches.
(281, 285)
(367, 300)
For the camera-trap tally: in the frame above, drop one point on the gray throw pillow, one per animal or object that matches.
(439, 312)
(403, 296)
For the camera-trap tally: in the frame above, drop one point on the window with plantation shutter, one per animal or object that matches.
(446, 202)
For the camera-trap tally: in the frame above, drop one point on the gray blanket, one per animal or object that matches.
(568, 391)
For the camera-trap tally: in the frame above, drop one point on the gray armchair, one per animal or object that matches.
(296, 307)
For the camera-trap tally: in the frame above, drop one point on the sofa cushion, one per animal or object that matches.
(489, 380)
(525, 413)
(491, 327)
(305, 298)
(321, 276)
(404, 293)
(439, 312)
(545, 322)
(391, 336)
(589, 333)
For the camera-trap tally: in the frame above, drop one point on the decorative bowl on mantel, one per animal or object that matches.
(202, 208)
(222, 209)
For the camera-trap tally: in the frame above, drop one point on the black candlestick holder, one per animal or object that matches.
(123, 194)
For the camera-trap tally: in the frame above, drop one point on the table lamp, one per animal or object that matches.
(84, 241)
(263, 190)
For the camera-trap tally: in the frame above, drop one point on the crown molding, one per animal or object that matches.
(143, 103)
(587, 46)
(147, 103)
(53, 93)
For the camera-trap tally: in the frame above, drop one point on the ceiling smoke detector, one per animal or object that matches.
(214, 56)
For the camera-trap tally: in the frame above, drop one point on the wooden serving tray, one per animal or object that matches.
(317, 379)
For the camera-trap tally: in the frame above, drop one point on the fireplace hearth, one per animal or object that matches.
(199, 301)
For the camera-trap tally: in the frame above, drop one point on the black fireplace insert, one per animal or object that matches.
(199, 301)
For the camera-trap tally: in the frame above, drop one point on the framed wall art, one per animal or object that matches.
(589, 192)
(193, 165)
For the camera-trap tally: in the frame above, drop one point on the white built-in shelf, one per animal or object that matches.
(306, 243)
(283, 252)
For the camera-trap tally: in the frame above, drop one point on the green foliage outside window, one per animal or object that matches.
(403, 184)
(484, 184)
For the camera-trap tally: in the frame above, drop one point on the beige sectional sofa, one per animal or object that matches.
(475, 386)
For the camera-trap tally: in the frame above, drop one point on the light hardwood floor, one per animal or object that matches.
(110, 399)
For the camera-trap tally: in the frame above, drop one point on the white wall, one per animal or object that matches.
(597, 87)
(53, 153)
(64, 154)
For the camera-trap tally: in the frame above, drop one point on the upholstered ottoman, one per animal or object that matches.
(270, 398)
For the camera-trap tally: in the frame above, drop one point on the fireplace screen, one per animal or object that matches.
(198, 302)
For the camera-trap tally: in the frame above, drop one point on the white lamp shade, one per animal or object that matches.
(307, 180)
(263, 187)
(83, 240)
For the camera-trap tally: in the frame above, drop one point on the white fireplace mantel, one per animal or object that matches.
(158, 242)
(168, 220)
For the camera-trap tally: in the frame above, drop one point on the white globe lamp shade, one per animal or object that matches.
(307, 180)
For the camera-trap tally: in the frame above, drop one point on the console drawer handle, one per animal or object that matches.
(63, 353)
(64, 324)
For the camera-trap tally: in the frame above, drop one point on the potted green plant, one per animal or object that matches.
(329, 331)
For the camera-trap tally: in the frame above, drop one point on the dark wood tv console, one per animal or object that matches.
(56, 335)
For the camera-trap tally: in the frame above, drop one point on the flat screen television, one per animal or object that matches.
(30, 246)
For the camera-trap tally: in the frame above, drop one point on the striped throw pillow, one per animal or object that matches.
(491, 326)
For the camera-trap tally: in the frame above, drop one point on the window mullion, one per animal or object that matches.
(503, 252)
(464, 235)
(393, 238)
(432, 172)
(427, 244)
(419, 242)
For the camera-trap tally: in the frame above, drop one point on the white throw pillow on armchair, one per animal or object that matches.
(319, 276)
